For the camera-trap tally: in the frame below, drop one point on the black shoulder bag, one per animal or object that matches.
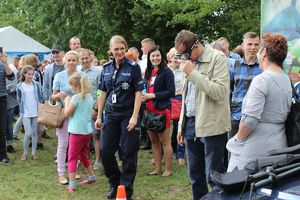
(292, 124)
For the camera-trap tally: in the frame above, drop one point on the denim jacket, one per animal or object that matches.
(20, 95)
(48, 81)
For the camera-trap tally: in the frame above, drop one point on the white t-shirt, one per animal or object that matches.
(143, 65)
(30, 102)
(14, 69)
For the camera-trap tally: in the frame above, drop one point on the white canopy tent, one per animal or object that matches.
(16, 43)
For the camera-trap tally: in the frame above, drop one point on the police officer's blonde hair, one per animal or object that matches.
(83, 83)
(118, 39)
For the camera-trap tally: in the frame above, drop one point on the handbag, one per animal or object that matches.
(51, 115)
(292, 124)
(175, 108)
(154, 122)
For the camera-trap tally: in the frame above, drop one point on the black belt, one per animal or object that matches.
(192, 117)
(118, 109)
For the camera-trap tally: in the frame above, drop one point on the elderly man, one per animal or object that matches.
(205, 115)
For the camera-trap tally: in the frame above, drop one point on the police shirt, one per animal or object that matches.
(120, 84)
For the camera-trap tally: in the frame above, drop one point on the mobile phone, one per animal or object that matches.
(1, 50)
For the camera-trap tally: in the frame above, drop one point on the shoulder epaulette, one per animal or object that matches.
(107, 63)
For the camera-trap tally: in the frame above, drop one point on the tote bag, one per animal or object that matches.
(51, 115)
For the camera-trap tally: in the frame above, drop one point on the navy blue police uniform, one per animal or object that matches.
(120, 84)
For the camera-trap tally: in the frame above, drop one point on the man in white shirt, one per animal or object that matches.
(147, 44)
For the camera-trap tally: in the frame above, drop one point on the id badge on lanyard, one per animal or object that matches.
(114, 96)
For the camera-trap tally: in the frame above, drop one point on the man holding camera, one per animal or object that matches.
(5, 72)
(205, 115)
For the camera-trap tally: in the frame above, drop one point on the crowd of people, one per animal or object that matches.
(234, 105)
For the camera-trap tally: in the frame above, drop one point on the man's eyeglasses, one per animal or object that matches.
(187, 53)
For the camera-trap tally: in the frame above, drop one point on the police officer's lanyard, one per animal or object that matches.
(114, 96)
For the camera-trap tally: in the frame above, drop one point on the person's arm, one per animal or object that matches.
(243, 132)
(134, 117)
(9, 73)
(101, 103)
(69, 107)
(170, 85)
(216, 87)
(253, 107)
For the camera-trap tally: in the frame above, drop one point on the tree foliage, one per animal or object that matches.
(95, 21)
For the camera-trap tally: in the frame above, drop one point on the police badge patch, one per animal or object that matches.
(125, 86)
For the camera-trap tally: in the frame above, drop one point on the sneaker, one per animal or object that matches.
(24, 157)
(88, 181)
(6, 160)
(181, 161)
(77, 176)
(63, 180)
(97, 166)
(70, 189)
(10, 149)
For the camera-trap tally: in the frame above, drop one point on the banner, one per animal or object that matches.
(283, 17)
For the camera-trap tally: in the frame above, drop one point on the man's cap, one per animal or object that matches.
(56, 47)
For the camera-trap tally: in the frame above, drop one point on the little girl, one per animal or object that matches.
(79, 109)
(29, 94)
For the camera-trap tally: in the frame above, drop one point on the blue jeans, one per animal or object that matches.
(203, 155)
(177, 148)
(10, 120)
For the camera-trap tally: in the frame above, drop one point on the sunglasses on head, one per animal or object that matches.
(55, 52)
(187, 53)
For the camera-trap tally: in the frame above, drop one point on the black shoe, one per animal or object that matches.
(145, 147)
(44, 135)
(40, 146)
(112, 193)
(10, 149)
(15, 138)
(6, 161)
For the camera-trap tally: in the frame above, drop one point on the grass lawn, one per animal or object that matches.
(38, 179)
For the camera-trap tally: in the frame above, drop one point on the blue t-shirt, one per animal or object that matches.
(81, 120)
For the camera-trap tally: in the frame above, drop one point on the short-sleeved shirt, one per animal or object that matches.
(61, 82)
(93, 74)
(81, 120)
(123, 85)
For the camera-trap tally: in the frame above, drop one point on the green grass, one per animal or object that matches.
(38, 179)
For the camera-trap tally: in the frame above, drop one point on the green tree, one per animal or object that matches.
(95, 21)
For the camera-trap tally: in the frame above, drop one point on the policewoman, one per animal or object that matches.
(121, 86)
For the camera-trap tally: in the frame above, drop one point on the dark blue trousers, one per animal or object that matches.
(203, 155)
(114, 134)
(3, 124)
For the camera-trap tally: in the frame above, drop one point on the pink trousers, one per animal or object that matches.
(78, 150)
